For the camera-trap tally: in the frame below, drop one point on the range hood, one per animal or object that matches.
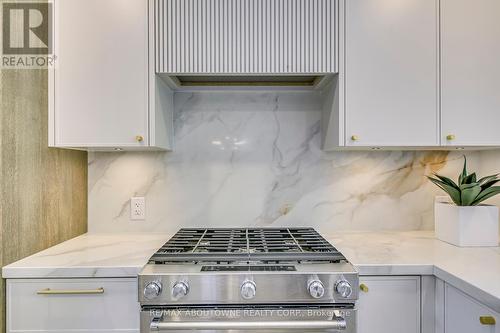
(221, 81)
(218, 43)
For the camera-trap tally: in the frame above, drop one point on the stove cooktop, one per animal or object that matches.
(247, 266)
(263, 245)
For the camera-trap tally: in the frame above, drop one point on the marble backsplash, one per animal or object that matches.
(254, 159)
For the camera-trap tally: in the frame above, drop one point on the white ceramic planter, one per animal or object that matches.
(466, 226)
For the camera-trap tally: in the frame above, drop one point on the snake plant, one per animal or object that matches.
(469, 191)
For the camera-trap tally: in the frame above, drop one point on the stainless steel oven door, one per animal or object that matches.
(317, 319)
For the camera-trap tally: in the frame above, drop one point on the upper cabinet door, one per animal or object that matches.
(246, 36)
(101, 74)
(470, 72)
(391, 73)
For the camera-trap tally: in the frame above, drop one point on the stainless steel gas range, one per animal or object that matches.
(248, 280)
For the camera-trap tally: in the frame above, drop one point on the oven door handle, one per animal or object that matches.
(337, 323)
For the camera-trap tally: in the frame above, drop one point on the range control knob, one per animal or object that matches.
(316, 289)
(343, 288)
(179, 290)
(152, 290)
(248, 289)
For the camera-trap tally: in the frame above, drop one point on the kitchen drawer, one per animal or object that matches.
(72, 305)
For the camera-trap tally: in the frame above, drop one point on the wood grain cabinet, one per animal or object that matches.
(72, 305)
(103, 93)
(463, 314)
(470, 68)
(389, 304)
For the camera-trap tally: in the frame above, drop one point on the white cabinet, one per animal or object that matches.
(412, 74)
(470, 53)
(72, 305)
(390, 304)
(391, 73)
(463, 314)
(102, 90)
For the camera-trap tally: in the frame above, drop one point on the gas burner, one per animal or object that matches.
(247, 244)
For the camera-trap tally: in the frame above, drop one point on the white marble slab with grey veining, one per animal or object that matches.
(90, 255)
(476, 271)
(254, 159)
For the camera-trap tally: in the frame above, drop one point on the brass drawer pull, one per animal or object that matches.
(363, 287)
(487, 320)
(49, 291)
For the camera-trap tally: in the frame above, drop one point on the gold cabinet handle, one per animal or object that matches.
(487, 320)
(451, 137)
(355, 138)
(139, 138)
(49, 291)
(363, 287)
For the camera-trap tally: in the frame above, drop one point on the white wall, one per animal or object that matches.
(241, 157)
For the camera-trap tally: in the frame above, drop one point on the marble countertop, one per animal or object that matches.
(90, 255)
(476, 271)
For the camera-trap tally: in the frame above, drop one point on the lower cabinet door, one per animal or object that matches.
(72, 305)
(464, 314)
(389, 304)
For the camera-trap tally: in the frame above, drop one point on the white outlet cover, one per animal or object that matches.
(137, 208)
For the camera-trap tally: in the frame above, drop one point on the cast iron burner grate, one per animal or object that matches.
(247, 244)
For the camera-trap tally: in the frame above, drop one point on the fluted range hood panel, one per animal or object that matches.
(200, 42)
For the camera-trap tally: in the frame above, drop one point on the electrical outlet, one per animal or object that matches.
(137, 208)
